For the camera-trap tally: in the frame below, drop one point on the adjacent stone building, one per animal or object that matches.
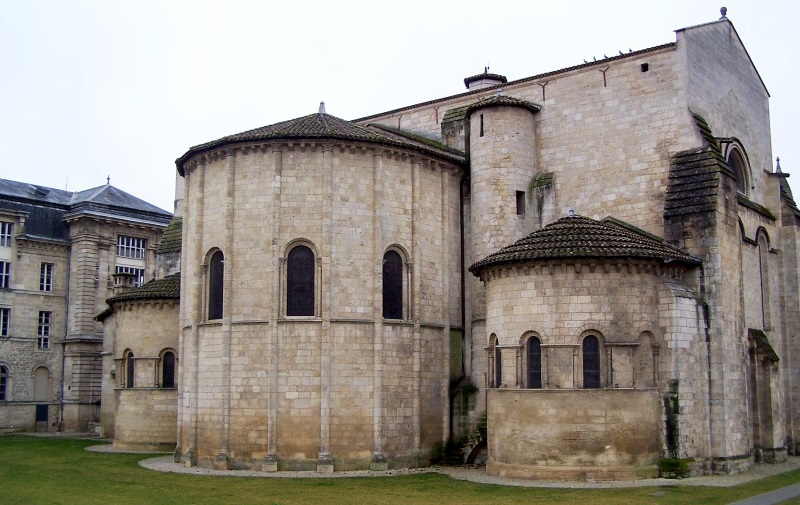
(586, 274)
(59, 252)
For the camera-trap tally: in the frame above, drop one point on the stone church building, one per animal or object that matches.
(586, 274)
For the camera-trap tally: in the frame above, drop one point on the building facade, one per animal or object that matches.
(586, 274)
(59, 252)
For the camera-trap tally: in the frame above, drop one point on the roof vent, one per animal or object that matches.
(322, 108)
(38, 190)
(484, 80)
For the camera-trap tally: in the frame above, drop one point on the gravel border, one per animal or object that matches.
(479, 475)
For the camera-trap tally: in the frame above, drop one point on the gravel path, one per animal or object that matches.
(479, 475)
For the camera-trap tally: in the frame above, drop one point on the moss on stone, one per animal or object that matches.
(675, 468)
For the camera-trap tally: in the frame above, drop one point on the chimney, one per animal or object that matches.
(123, 283)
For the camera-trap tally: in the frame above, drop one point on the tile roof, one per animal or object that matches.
(403, 135)
(581, 237)
(485, 75)
(786, 195)
(693, 181)
(499, 100)
(172, 239)
(314, 126)
(168, 288)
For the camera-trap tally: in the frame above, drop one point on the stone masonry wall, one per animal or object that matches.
(574, 435)
(264, 386)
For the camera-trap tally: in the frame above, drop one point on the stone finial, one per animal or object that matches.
(778, 165)
(724, 12)
(322, 108)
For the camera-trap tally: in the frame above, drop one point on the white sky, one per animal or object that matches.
(122, 88)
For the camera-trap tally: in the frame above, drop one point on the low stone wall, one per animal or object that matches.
(146, 419)
(579, 434)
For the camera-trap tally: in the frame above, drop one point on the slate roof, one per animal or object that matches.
(581, 237)
(48, 208)
(115, 197)
(168, 288)
(172, 239)
(314, 126)
(25, 191)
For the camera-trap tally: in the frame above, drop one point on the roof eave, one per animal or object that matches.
(180, 162)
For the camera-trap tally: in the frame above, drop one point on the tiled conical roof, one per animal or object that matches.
(168, 288)
(172, 238)
(314, 126)
(582, 237)
(503, 100)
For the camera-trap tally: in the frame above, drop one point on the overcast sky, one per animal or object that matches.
(90, 89)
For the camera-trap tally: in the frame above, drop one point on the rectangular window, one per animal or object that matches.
(5, 274)
(6, 229)
(520, 203)
(138, 272)
(131, 247)
(5, 315)
(46, 277)
(43, 341)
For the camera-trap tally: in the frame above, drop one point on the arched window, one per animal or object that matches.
(129, 369)
(168, 370)
(216, 278)
(300, 282)
(739, 167)
(3, 383)
(591, 362)
(392, 285)
(534, 363)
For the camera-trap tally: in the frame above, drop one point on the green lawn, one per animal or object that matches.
(45, 471)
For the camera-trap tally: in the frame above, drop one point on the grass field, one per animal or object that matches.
(44, 471)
